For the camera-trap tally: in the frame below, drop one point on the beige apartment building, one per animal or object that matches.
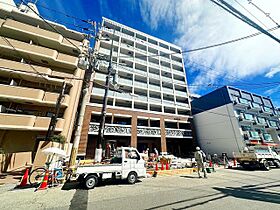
(153, 111)
(35, 60)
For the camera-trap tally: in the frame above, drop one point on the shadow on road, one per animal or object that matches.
(79, 200)
(191, 199)
(190, 177)
(252, 193)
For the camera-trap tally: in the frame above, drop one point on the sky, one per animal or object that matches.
(252, 64)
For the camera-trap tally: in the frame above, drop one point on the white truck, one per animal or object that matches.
(258, 157)
(126, 164)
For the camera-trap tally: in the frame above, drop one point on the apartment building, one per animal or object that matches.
(229, 119)
(153, 110)
(36, 58)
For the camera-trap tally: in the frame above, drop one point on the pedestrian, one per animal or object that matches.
(200, 159)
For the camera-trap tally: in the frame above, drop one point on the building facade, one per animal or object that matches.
(36, 58)
(152, 110)
(229, 119)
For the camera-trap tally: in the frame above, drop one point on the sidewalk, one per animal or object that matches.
(10, 177)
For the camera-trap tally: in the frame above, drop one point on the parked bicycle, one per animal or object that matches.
(56, 175)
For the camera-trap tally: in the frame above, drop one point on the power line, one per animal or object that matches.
(50, 25)
(250, 13)
(230, 9)
(265, 13)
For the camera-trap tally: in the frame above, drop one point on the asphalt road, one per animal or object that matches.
(224, 189)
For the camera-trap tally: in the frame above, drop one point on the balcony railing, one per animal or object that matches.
(178, 133)
(140, 84)
(167, 90)
(154, 76)
(111, 129)
(146, 131)
(154, 87)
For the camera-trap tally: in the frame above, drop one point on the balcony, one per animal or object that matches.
(167, 90)
(140, 61)
(155, 100)
(140, 84)
(165, 59)
(272, 125)
(178, 133)
(27, 122)
(246, 118)
(266, 111)
(30, 95)
(260, 121)
(254, 107)
(43, 37)
(111, 129)
(154, 87)
(166, 79)
(42, 123)
(141, 72)
(154, 76)
(180, 93)
(168, 69)
(154, 65)
(141, 98)
(38, 54)
(123, 81)
(181, 73)
(123, 96)
(241, 102)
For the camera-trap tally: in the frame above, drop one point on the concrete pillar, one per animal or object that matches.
(163, 135)
(133, 141)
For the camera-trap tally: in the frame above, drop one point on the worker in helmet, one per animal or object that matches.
(200, 159)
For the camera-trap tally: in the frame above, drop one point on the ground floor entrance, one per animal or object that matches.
(180, 147)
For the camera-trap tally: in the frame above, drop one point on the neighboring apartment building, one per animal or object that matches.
(157, 113)
(228, 119)
(35, 60)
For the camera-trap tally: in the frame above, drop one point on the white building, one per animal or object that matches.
(228, 119)
(157, 112)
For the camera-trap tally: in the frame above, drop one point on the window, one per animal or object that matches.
(255, 105)
(248, 116)
(267, 137)
(273, 123)
(255, 135)
(246, 128)
(266, 109)
(261, 120)
(243, 101)
(131, 154)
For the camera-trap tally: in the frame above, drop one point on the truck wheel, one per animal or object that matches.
(265, 165)
(90, 182)
(132, 178)
(277, 163)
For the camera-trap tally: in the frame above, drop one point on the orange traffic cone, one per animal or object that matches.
(210, 164)
(24, 179)
(167, 166)
(162, 167)
(156, 166)
(234, 162)
(44, 184)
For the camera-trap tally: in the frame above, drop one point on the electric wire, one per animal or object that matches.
(265, 13)
(230, 9)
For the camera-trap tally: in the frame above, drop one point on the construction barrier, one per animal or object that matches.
(44, 184)
(24, 179)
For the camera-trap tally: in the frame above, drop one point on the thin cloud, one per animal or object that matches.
(272, 72)
(198, 23)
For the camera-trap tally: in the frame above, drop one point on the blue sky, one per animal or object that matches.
(252, 64)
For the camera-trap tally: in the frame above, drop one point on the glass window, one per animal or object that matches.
(234, 92)
(246, 128)
(243, 101)
(267, 102)
(267, 109)
(248, 116)
(254, 134)
(267, 137)
(273, 123)
(261, 120)
(255, 105)
(246, 95)
(257, 99)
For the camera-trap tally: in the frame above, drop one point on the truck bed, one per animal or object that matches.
(110, 168)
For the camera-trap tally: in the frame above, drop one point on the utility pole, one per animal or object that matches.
(54, 117)
(84, 99)
(101, 144)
